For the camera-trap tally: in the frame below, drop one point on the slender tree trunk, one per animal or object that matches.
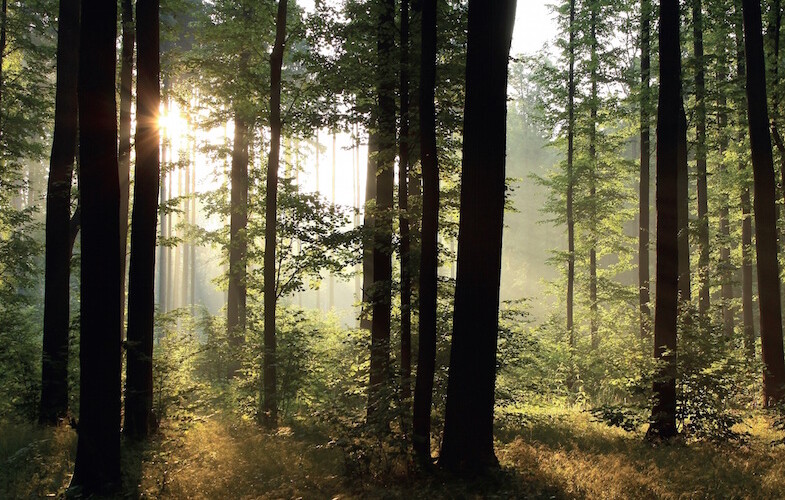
(270, 400)
(663, 418)
(468, 424)
(54, 368)
(571, 189)
(700, 156)
(124, 150)
(163, 250)
(238, 245)
(765, 208)
(403, 206)
(368, 223)
(331, 283)
(141, 296)
(426, 361)
(593, 105)
(643, 207)
(97, 467)
(746, 204)
(725, 268)
(682, 193)
(380, 373)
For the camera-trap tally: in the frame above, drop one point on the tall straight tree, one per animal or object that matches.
(663, 419)
(141, 296)
(594, 63)
(765, 208)
(570, 180)
(468, 425)
(682, 201)
(269, 397)
(403, 206)
(381, 294)
(645, 162)
(54, 369)
(124, 131)
(97, 467)
(700, 157)
(426, 361)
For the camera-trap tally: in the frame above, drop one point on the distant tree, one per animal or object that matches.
(54, 371)
(270, 405)
(468, 431)
(765, 206)
(643, 208)
(97, 467)
(141, 296)
(429, 160)
(663, 418)
(700, 157)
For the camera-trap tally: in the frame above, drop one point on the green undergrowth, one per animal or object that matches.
(547, 454)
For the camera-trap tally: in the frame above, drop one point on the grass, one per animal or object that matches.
(557, 454)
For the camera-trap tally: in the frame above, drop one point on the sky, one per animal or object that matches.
(534, 25)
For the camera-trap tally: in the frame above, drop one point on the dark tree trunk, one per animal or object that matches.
(368, 223)
(97, 468)
(141, 292)
(379, 388)
(663, 418)
(682, 193)
(570, 191)
(643, 207)
(270, 400)
(593, 105)
(403, 206)
(426, 360)
(238, 245)
(700, 156)
(765, 208)
(746, 204)
(124, 149)
(54, 369)
(468, 431)
(726, 268)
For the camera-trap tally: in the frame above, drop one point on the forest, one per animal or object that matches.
(392, 249)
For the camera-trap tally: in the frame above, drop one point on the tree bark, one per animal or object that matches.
(54, 368)
(141, 292)
(765, 208)
(270, 400)
(468, 431)
(379, 390)
(97, 467)
(593, 108)
(682, 193)
(429, 161)
(700, 157)
(643, 207)
(662, 424)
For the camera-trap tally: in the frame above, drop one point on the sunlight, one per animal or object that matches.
(173, 125)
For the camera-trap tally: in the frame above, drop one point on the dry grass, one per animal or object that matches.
(555, 456)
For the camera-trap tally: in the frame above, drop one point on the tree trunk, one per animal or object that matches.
(403, 207)
(379, 390)
(124, 149)
(141, 294)
(643, 207)
(700, 157)
(270, 400)
(426, 360)
(593, 105)
(97, 467)
(235, 307)
(468, 431)
(682, 193)
(663, 418)
(765, 209)
(54, 368)
(368, 224)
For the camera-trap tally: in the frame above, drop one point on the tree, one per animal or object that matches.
(97, 467)
(124, 130)
(141, 296)
(270, 405)
(54, 371)
(645, 175)
(700, 156)
(570, 216)
(663, 418)
(381, 293)
(765, 208)
(468, 431)
(429, 161)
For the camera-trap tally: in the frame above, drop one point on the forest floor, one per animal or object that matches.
(559, 455)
